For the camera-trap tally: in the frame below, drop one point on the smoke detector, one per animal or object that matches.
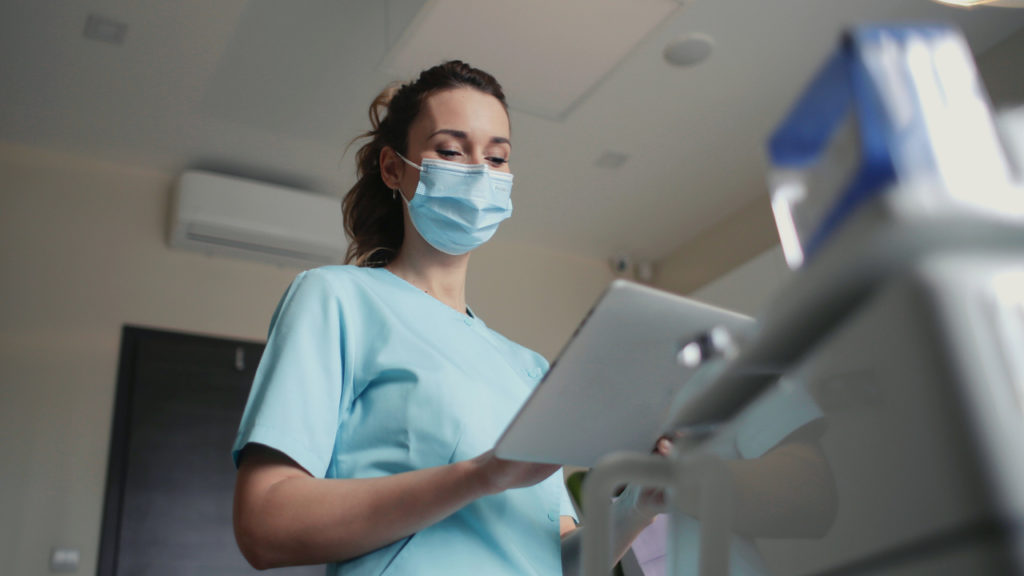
(688, 50)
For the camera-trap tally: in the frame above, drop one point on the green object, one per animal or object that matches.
(575, 485)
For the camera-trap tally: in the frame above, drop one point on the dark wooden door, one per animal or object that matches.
(170, 480)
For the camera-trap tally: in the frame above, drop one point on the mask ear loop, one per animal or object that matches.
(395, 191)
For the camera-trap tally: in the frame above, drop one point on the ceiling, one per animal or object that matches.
(276, 91)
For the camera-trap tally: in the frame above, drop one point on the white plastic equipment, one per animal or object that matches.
(229, 216)
(891, 369)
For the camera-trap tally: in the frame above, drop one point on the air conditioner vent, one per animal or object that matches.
(234, 217)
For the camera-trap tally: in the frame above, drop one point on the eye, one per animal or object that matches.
(448, 153)
(497, 160)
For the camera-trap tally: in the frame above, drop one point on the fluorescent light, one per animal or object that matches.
(973, 3)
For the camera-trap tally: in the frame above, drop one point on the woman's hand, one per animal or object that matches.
(651, 501)
(499, 475)
(633, 510)
(644, 503)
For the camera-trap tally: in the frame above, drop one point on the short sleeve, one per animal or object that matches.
(294, 403)
(565, 505)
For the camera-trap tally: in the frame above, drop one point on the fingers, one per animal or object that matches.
(663, 447)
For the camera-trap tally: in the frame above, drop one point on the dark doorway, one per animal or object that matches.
(170, 478)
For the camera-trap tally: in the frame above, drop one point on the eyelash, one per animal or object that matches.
(497, 161)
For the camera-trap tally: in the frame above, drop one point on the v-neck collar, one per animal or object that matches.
(469, 311)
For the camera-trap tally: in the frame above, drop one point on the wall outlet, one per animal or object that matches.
(64, 560)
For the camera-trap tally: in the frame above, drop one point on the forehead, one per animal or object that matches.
(478, 114)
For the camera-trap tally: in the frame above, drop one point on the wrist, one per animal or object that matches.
(479, 481)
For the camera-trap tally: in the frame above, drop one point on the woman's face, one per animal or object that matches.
(459, 125)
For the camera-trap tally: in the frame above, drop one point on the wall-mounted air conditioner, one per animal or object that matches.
(230, 216)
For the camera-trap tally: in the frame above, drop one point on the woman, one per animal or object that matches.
(366, 440)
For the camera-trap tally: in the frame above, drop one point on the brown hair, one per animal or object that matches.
(373, 215)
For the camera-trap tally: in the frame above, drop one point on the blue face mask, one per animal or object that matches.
(457, 207)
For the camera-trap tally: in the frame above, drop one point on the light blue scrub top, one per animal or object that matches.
(365, 375)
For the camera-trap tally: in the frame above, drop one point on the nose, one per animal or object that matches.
(477, 157)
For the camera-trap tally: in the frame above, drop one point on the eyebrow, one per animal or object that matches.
(463, 136)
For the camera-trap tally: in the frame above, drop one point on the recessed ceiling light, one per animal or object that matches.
(105, 29)
(611, 159)
(688, 50)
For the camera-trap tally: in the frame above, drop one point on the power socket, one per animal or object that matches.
(64, 560)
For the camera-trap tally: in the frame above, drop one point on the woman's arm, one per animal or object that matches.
(284, 517)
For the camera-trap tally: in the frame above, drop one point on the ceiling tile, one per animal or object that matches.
(570, 45)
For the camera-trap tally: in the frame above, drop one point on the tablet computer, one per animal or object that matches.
(611, 386)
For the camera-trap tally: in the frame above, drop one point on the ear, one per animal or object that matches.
(391, 167)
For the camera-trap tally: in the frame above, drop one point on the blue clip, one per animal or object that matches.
(843, 86)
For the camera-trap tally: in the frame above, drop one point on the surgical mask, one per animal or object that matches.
(457, 207)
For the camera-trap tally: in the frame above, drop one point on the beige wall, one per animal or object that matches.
(751, 287)
(83, 251)
(740, 237)
(532, 295)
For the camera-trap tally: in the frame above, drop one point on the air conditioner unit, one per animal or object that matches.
(230, 216)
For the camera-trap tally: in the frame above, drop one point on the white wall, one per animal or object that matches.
(1000, 68)
(83, 249)
(738, 238)
(750, 287)
(532, 295)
